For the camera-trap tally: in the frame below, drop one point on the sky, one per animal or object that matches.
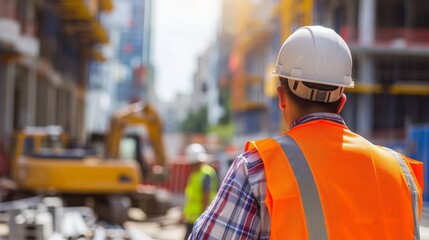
(182, 30)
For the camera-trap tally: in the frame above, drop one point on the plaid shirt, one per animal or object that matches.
(238, 210)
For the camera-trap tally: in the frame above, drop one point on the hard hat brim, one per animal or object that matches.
(350, 84)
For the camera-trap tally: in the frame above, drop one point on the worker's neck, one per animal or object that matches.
(293, 113)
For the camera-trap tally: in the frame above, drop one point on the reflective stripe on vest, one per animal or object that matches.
(314, 216)
(413, 190)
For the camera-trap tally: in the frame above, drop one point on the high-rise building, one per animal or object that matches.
(126, 74)
(134, 53)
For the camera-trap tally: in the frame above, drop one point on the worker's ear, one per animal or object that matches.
(343, 101)
(282, 97)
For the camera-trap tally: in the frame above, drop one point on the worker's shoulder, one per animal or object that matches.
(250, 161)
(248, 168)
(249, 156)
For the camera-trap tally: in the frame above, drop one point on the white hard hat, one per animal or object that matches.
(315, 54)
(196, 153)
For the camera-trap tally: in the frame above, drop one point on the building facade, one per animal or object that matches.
(45, 49)
(389, 41)
(389, 44)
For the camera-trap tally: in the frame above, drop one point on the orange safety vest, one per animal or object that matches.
(326, 182)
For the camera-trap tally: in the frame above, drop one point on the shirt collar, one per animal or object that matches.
(319, 116)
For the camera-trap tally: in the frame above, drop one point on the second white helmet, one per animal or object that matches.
(315, 54)
(196, 153)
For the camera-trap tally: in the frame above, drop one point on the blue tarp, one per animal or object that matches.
(418, 137)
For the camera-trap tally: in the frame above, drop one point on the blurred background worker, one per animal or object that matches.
(318, 180)
(201, 186)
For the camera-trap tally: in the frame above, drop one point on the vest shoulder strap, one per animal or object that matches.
(306, 217)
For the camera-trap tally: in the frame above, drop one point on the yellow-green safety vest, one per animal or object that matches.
(194, 192)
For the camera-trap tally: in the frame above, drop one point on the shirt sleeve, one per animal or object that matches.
(234, 213)
(206, 183)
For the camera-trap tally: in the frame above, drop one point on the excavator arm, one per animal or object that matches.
(136, 114)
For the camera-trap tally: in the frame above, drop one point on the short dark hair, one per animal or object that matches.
(302, 103)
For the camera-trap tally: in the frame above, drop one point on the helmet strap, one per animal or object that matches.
(313, 94)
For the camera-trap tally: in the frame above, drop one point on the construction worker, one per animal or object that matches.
(318, 180)
(201, 187)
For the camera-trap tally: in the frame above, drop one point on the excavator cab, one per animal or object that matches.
(132, 147)
(136, 131)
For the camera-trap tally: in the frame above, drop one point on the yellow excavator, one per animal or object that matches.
(42, 164)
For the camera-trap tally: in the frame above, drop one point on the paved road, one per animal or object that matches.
(152, 231)
(162, 228)
(424, 233)
(424, 222)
